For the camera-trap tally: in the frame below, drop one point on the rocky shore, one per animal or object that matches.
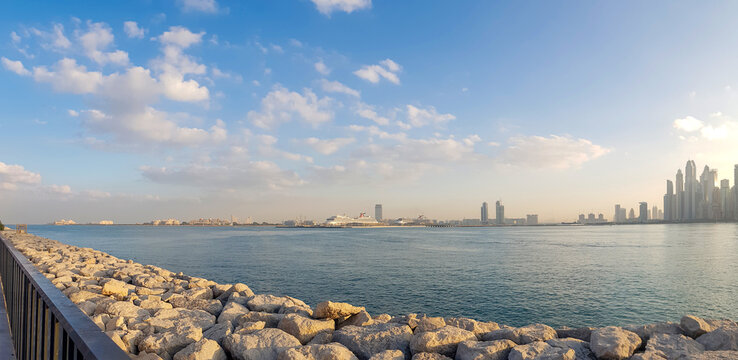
(153, 313)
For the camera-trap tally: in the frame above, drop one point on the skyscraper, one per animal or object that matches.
(690, 191)
(617, 218)
(378, 212)
(499, 213)
(643, 211)
(735, 192)
(679, 192)
(724, 198)
(669, 200)
(631, 214)
(485, 213)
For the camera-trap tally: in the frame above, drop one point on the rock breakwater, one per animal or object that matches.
(153, 313)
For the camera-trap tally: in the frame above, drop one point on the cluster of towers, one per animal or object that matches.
(499, 213)
(700, 199)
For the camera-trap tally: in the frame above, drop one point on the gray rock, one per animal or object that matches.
(647, 356)
(263, 344)
(271, 320)
(429, 356)
(484, 350)
(442, 341)
(322, 339)
(335, 310)
(218, 332)
(479, 328)
(673, 346)
(694, 326)
(231, 311)
(332, 351)
(429, 324)
(167, 343)
(271, 303)
(539, 350)
(304, 329)
(614, 343)
(722, 338)
(649, 330)
(522, 335)
(205, 349)
(580, 347)
(389, 355)
(360, 319)
(249, 327)
(579, 333)
(365, 341)
(716, 355)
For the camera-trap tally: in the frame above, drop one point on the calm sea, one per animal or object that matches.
(575, 276)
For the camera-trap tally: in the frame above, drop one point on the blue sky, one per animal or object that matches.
(276, 109)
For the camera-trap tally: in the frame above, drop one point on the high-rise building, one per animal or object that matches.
(655, 212)
(669, 200)
(617, 218)
(582, 219)
(622, 215)
(679, 192)
(735, 192)
(631, 214)
(643, 211)
(499, 213)
(690, 190)
(531, 219)
(725, 210)
(378, 212)
(485, 213)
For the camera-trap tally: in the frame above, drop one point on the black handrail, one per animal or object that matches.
(44, 323)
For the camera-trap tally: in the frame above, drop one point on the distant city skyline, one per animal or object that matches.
(285, 109)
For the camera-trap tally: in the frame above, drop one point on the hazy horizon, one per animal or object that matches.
(134, 111)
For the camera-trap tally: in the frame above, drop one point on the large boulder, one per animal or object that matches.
(126, 309)
(365, 341)
(429, 356)
(263, 344)
(522, 335)
(614, 343)
(361, 318)
(271, 303)
(170, 342)
(716, 355)
(722, 338)
(580, 347)
(271, 320)
(218, 332)
(539, 350)
(442, 341)
(231, 311)
(430, 324)
(205, 349)
(332, 351)
(335, 310)
(115, 288)
(694, 326)
(477, 327)
(649, 330)
(304, 329)
(672, 346)
(484, 350)
(389, 355)
(167, 318)
(582, 333)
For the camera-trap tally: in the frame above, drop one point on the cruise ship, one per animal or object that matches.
(343, 220)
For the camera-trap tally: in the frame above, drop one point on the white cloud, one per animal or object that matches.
(688, 124)
(418, 117)
(376, 132)
(276, 48)
(206, 6)
(15, 66)
(367, 111)
(322, 68)
(708, 131)
(557, 152)
(54, 39)
(327, 146)
(282, 105)
(13, 175)
(97, 38)
(67, 76)
(14, 37)
(133, 30)
(386, 69)
(73, 113)
(337, 87)
(180, 37)
(326, 7)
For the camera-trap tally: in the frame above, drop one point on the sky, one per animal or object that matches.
(138, 110)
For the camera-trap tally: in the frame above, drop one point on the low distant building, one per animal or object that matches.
(65, 222)
(166, 222)
(531, 219)
(471, 222)
(106, 222)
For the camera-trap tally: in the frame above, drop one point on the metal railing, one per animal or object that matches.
(44, 323)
